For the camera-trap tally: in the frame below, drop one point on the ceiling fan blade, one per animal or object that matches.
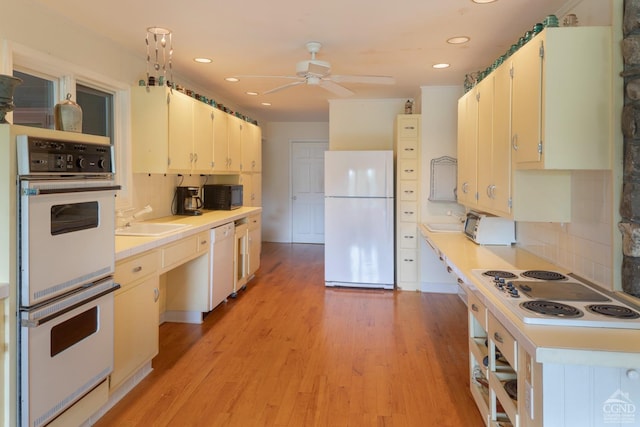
(266, 77)
(377, 80)
(288, 85)
(335, 88)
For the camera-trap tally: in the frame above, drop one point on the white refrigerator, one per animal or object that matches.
(359, 219)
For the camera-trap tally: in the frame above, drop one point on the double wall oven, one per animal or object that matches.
(66, 265)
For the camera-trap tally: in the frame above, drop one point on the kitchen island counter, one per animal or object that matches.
(593, 346)
(127, 246)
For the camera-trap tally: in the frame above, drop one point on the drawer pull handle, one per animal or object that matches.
(408, 212)
(498, 337)
(449, 269)
(204, 242)
(408, 191)
(408, 237)
(410, 127)
(137, 269)
(408, 260)
(409, 170)
(475, 308)
(408, 149)
(460, 281)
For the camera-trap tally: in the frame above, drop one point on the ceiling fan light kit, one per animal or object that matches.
(315, 72)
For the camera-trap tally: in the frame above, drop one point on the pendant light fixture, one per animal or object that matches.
(159, 55)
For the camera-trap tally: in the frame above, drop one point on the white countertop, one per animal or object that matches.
(550, 344)
(127, 246)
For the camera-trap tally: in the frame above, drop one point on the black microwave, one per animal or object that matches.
(222, 197)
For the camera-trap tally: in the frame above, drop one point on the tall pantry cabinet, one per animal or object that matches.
(407, 151)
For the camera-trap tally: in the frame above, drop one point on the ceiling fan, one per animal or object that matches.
(315, 72)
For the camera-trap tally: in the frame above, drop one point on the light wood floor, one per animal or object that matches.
(290, 352)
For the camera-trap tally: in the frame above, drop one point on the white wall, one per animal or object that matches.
(363, 124)
(439, 128)
(276, 167)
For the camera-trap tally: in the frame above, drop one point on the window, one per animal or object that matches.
(105, 104)
(97, 111)
(34, 101)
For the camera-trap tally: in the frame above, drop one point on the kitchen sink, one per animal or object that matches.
(446, 227)
(149, 229)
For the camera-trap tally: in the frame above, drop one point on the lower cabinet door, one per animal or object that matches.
(135, 330)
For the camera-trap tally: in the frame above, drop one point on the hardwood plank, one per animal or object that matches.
(289, 352)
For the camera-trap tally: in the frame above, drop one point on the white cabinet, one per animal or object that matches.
(526, 130)
(251, 148)
(467, 187)
(240, 256)
(187, 278)
(171, 132)
(492, 363)
(234, 143)
(407, 150)
(136, 314)
(254, 244)
(494, 155)
(175, 133)
(554, 125)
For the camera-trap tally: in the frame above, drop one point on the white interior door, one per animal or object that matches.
(307, 191)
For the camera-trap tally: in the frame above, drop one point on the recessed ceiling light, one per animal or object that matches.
(483, 1)
(232, 79)
(441, 65)
(203, 60)
(252, 93)
(266, 104)
(458, 40)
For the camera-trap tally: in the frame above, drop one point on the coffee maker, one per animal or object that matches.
(188, 201)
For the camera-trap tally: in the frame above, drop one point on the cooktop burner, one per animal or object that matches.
(551, 308)
(543, 275)
(500, 274)
(541, 297)
(615, 311)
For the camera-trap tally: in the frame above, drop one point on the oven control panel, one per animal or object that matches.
(49, 156)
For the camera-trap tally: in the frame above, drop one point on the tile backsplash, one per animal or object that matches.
(584, 246)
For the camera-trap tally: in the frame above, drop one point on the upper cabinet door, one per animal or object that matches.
(202, 160)
(180, 132)
(220, 141)
(526, 102)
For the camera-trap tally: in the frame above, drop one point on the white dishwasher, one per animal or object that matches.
(221, 264)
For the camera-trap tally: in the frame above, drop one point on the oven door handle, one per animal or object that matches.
(38, 191)
(34, 323)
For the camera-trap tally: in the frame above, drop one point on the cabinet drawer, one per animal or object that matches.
(176, 253)
(409, 190)
(408, 127)
(255, 221)
(408, 148)
(408, 236)
(408, 212)
(408, 268)
(137, 267)
(408, 169)
(477, 309)
(203, 242)
(503, 340)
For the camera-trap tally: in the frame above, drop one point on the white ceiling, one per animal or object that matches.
(402, 38)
